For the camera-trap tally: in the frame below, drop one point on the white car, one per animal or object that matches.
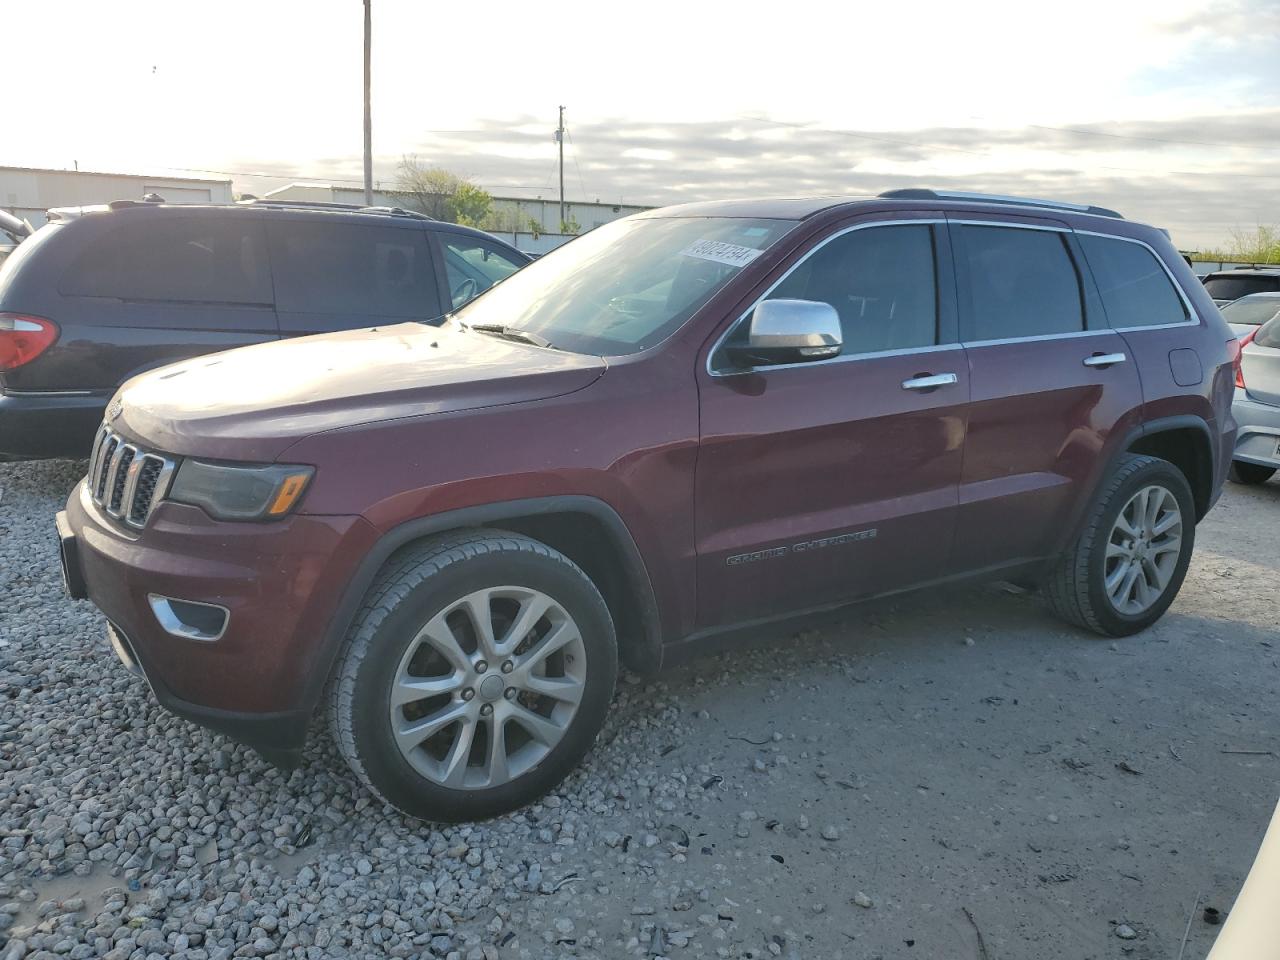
(1248, 313)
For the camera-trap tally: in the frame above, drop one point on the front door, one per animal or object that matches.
(1050, 384)
(823, 481)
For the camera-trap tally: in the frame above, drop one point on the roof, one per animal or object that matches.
(1244, 271)
(800, 209)
(121, 176)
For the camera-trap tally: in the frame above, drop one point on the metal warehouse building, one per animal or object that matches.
(28, 191)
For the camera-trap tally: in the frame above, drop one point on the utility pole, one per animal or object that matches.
(368, 113)
(560, 141)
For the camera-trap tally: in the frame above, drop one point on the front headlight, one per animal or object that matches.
(238, 491)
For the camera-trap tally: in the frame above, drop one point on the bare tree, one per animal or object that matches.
(440, 194)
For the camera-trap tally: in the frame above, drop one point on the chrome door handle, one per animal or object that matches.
(929, 382)
(1104, 359)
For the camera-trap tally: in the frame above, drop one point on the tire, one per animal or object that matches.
(417, 633)
(1078, 587)
(1250, 474)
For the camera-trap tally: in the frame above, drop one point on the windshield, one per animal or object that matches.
(1250, 311)
(625, 286)
(1233, 288)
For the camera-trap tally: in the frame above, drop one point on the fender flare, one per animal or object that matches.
(488, 515)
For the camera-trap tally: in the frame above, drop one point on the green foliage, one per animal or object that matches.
(1259, 245)
(440, 194)
(570, 226)
(471, 204)
(535, 227)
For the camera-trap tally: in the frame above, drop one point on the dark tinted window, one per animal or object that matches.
(205, 259)
(346, 268)
(1136, 290)
(474, 266)
(882, 283)
(1233, 288)
(1022, 283)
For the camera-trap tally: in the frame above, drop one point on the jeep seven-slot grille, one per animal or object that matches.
(126, 480)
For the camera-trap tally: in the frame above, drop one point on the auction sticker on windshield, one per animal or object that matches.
(721, 252)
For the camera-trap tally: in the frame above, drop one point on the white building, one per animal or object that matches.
(28, 192)
(513, 217)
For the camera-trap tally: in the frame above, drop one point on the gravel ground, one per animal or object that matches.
(949, 774)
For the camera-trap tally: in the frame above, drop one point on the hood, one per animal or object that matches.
(251, 403)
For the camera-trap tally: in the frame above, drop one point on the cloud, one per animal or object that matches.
(1198, 176)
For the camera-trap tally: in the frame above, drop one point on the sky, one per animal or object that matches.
(1168, 112)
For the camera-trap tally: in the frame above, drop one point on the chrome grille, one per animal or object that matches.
(126, 480)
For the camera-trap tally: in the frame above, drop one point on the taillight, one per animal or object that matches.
(1237, 361)
(24, 338)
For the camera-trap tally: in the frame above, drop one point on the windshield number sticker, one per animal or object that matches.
(720, 252)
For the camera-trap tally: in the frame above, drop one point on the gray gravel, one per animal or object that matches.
(848, 791)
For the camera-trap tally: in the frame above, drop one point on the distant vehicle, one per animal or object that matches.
(1227, 285)
(13, 231)
(103, 293)
(686, 422)
(1248, 313)
(1257, 406)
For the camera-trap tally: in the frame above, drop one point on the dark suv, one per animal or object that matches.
(102, 294)
(682, 423)
(1228, 285)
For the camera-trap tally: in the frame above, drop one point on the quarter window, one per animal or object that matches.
(331, 268)
(1136, 290)
(189, 259)
(1022, 283)
(882, 282)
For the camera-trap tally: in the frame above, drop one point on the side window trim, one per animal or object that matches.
(964, 293)
(1192, 319)
(945, 321)
(435, 247)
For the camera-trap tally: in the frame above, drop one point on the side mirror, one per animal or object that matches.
(788, 331)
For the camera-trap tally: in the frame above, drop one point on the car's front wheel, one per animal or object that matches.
(476, 675)
(1250, 474)
(1127, 566)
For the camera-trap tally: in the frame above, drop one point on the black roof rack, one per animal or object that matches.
(918, 193)
(331, 205)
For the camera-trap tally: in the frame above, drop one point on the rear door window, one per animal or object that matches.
(354, 271)
(190, 260)
(474, 265)
(1136, 290)
(1022, 283)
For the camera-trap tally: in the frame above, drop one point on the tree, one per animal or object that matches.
(570, 226)
(1260, 245)
(439, 193)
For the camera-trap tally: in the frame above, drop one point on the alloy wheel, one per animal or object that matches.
(1143, 550)
(488, 687)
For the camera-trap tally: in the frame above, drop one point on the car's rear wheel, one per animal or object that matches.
(1127, 566)
(1250, 474)
(476, 676)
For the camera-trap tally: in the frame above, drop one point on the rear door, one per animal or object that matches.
(823, 481)
(1050, 384)
(152, 288)
(341, 275)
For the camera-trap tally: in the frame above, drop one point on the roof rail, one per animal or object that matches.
(331, 205)
(917, 193)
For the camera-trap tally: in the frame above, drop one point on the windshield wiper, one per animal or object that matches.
(512, 333)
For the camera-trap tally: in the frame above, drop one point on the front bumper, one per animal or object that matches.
(41, 426)
(279, 583)
(1258, 432)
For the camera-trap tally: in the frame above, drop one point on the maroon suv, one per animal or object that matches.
(682, 423)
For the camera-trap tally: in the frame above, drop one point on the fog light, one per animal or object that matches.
(189, 619)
